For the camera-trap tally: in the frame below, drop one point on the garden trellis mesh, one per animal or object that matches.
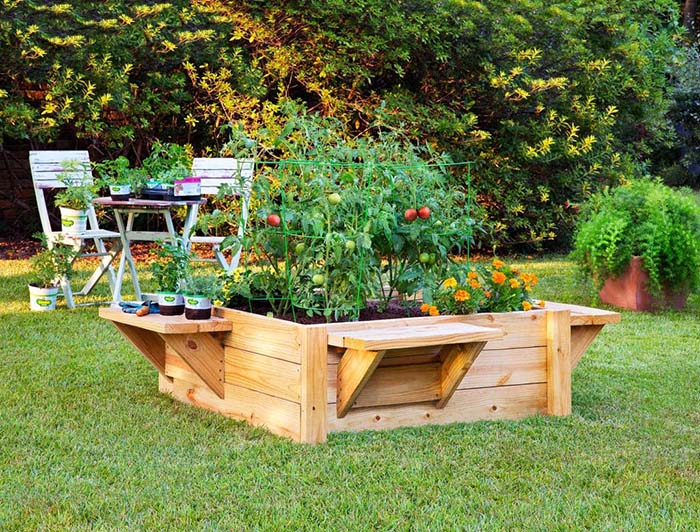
(342, 237)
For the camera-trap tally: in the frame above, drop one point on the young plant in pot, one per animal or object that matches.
(200, 291)
(641, 244)
(169, 167)
(120, 178)
(49, 266)
(169, 272)
(74, 200)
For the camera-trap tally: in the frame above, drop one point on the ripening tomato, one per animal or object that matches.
(424, 212)
(274, 220)
(318, 279)
(334, 198)
(350, 245)
(410, 214)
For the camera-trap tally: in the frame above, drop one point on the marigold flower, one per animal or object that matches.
(472, 275)
(450, 283)
(498, 277)
(527, 305)
(474, 284)
(434, 311)
(487, 294)
(424, 307)
(514, 283)
(498, 263)
(540, 303)
(461, 295)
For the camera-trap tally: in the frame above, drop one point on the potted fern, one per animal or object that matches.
(641, 244)
(52, 264)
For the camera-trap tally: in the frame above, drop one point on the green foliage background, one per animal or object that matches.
(553, 99)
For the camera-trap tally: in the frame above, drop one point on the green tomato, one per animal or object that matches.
(433, 258)
(318, 279)
(299, 247)
(424, 258)
(334, 198)
(350, 245)
(438, 224)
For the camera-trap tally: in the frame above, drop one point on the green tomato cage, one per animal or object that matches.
(345, 237)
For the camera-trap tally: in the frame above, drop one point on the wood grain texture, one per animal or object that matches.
(558, 362)
(314, 344)
(377, 339)
(149, 344)
(165, 324)
(503, 402)
(354, 370)
(581, 339)
(456, 361)
(204, 354)
(262, 373)
(276, 415)
(581, 315)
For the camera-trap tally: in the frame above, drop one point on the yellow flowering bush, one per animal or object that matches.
(493, 288)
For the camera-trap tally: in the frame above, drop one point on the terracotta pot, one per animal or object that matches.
(629, 290)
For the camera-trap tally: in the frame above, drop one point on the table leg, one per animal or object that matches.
(125, 257)
(190, 221)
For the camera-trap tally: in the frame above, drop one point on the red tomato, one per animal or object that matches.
(410, 214)
(424, 212)
(273, 220)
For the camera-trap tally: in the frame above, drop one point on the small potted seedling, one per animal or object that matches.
(120, 178)
(169, 167)
(75, 199)
(200, 291)
(49, 266)
(169, 271)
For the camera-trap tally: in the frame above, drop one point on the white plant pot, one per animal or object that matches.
(41, 299)
(197, 307)
(171, 304)
(73, 222)
(120, 192)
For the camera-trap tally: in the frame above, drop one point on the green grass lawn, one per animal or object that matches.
(88, 442)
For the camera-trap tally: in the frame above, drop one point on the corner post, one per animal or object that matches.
(558, 362)
(314, 381)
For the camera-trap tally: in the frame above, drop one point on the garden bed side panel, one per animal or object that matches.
(263, 378)
(523, 374)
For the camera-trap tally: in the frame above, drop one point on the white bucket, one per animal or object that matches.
(42, 298)
(73, 222)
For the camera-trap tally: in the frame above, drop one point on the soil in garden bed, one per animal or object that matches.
(395, 309)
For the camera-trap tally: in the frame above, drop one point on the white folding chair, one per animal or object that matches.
(237, 174)
(46, 167)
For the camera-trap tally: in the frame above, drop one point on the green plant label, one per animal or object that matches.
(44, 302)
(191, 301)
(169, 299)
(116, 189)
(67, 223)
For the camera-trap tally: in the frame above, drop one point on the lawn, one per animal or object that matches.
(89, 443)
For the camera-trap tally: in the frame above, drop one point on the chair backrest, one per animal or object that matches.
(216, 171)
(47, 166)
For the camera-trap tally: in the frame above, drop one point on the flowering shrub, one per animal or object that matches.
(494, 288)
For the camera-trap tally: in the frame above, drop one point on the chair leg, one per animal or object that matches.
(104, 267)
(67, 292)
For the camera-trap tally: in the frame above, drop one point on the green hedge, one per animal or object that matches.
(554, 99)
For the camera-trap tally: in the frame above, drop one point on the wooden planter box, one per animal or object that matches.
(305, 381)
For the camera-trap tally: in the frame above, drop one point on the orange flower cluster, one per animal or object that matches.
(498, 277)
(431, 310)
(529, 280)
(462, 295)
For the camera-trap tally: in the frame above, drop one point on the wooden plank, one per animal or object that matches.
(262, 373)
(204, 354)
(313, 385)
(260, 334)
(503, 402)
(581, 339)
(277, 415)
(521, 329)
(507, 367)
(165, 324)
(457, 359)
(581, 315)
(378, 339)
(177, 368)
(148, 343)
(354, 370)
(558, 363)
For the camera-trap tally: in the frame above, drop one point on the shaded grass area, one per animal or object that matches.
(89, 443)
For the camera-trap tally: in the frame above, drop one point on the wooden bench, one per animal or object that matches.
(460, 344)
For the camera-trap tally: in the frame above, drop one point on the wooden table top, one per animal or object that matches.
(145, 203)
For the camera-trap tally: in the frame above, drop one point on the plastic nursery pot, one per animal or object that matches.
(171, 304)
(188, 189)
(197, 307)
(41, 299)
(120, 192)
(73, 222)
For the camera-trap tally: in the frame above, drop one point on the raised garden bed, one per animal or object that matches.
(305, 381)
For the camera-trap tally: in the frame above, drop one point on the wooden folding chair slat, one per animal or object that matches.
(47, 168)
(238, 175)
